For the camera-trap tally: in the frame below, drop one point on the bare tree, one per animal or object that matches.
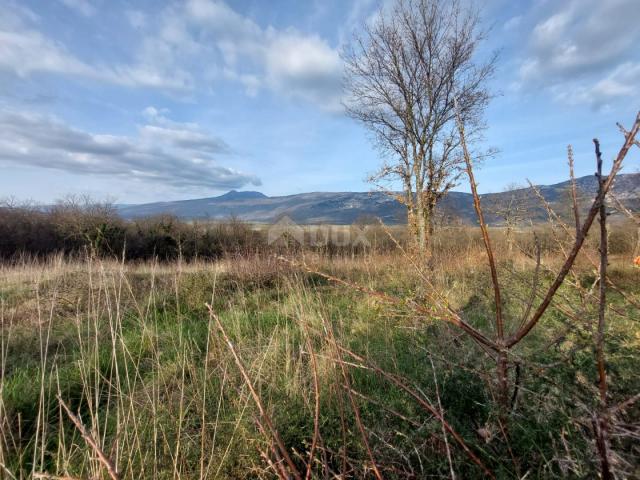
(403, 76)
(511, 212)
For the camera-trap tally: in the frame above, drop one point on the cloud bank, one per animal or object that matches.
(585, 51)
(182, 47)
(163, 153)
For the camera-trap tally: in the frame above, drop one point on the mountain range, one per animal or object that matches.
(342, 208)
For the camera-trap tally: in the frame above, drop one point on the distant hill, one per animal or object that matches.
(235, 195)
(343, 208)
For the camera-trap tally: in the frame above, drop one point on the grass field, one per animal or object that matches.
(133, 352)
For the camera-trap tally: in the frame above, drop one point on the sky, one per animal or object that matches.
(149, 100)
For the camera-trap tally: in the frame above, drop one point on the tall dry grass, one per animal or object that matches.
(132, 352)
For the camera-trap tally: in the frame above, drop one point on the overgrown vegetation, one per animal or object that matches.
(80, 226)
(325, 363)
(134, 353)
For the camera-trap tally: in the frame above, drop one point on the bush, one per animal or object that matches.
(78, 226)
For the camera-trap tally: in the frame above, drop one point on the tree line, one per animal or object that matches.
(80, 226)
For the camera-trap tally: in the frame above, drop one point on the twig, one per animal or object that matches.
(444, 432)
(574, 190)
(502, 353)
(534, 284)
(8, 472)
(427, 406)
(633, 218)
(627, 403)
(316, 412)
(443, 313)
(553, 218)
(626, 134)
(278, 467)
(108, 464)
(354, 405)
(384, 407)
(483, 229)
(46, 476)
(595, 207)
(602, 429)
(624, 209)
(256, 398)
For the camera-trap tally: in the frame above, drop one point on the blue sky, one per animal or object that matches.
(147, 100)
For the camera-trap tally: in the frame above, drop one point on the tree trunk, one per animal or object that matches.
(428, 210)
(421, 224)
(430, 217)
(412, 224)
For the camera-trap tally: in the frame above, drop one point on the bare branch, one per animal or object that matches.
(316, 411)
(574, 191)
(485, 232)
(626, 134)
(593, 211)
(354, 405)
(499, 322)
(401, 76)
(106, 461)
(272, 432)
(400, 383)
(603, 424)
(437, 310)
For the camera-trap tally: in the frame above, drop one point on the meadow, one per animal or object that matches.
(485, 335)
(317, 363)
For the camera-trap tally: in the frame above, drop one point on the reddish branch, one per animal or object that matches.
(603, 424)
(582, 235)
(445, 313)
(316, 410)
(485, 232)
(499, 322)
(441, 309)
(354, 405)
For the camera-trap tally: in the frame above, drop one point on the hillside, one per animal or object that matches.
(347, 207)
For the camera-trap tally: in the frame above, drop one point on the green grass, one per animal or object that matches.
(138, 357)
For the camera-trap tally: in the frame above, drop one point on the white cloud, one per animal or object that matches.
(84, 7)
(163, 152)
(357, 10)
(623, 82)
(25, 51)
(146, 75)
(303, 67)
(579, 47)
(186, 46)
(251, 83)
(28, 51)
(155, 115)
(287, 61)
(513, 23)
(136, 18)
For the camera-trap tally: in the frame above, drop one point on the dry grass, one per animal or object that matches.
(132, 351)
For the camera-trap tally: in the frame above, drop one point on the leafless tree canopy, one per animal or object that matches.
(404, 75)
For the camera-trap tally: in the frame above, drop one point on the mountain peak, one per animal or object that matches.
(344, 208)
(246, 195)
